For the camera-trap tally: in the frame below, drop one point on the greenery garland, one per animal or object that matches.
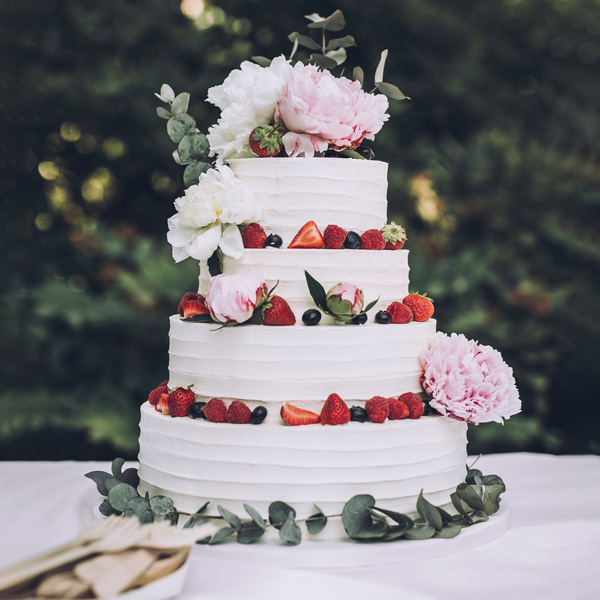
(474, 500)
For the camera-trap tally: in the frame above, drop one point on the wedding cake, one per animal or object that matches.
(283, 385)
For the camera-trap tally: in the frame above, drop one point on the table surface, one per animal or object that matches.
(551, 551)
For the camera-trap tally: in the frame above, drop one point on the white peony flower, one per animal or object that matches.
(208, 216)
(247, 99)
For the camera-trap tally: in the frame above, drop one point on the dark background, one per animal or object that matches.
(493, 171)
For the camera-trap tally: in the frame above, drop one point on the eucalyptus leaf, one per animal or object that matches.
(478, 516)
(391, 91)
(344, 42)
(290, 533)
(403, 520)
(263, 62)
(278, 513)
(106, 509)
(193, 521)
(172, 517)
(161, 505)
(179, 125)
(255, 516)
(99, 478)
(429, 512)
(221, 535)
(446, 517)
(192, 172)
(492, 480)
(381, 67)
(110, 482)
(162, 112)
(314, 17)
(249, 532)
(395, 533)
(420, 532)
(323, 61)
(202, 508)
(117, 466)
(181, 103)
(468, 495)
(490, 495)
(200, 318)
(304, 40)
(317, 291)
(358, 75)
(377, 530)
(473, 475)
(356, 514)
(166, 93)
(449, 531)
(317, 522)
(119, 495)
(232, 519)
(193, 146)
(338, 55)
(140, 508)
(214, 264)
(334, 22)
(178, 160)
(131, 477)
(460, 506)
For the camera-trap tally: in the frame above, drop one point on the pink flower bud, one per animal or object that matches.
(345, 301)
(233, 298)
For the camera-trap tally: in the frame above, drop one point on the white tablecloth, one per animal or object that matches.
(552, 549)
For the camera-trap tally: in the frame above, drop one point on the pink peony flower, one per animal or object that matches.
(233, 298)
(319, 110)
(468, 381)
(345, 300)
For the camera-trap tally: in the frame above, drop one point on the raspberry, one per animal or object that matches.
(400, 313)
(415, 406)
(378, 409)
(372, 240)
(334, 237)
(216, 411)
(335, 411)
(238, 412)
(398, 410)
(155, 394)
(254, 236)
(179, 402)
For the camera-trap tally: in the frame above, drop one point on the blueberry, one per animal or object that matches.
(360, 319)
(197, 410)
(358, 413)
(366, 152)
(274, 241)
(311, 317)
(352, 240)
(383, 317)
(258, 415)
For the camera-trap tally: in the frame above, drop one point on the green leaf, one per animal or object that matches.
(173, 518)
(278, 513)
(290, 532)
(334, 22)
(166, 93)
(323, 61)
(421, 531)
(99, 478)
(255, 516)
(193, 521)
(378, 529)
(381, 67)
(344, 42)
(214, 264)
(232, 519)
(446, 517)
(139, 507)
(249, 532)
(192, 172)
(356, 514)
(404, 521)
(352, 154)
(180, 104)
(317, 522)
(193, 146)
(449, 531)
(106, 509)
(317, 291)
(370, 306)
(119, 495)
(131, 477)
(429, 512)
(468, 494)
(179, 125)
(358, 75)
(490, 496)
(201, 318)
(304, 40)
(394, 533)
(110, 483)
(178, 160)
(479, 516)
(117, 465)
(460, 506)
(161, 505)
(391, 91)
(263, 62)
(221, 535)
(162, 112)
(473, 476)
(202, 508)
(338, 55)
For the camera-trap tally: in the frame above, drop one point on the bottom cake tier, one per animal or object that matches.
(197, 461)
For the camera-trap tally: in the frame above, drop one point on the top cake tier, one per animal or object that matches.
(349, 192)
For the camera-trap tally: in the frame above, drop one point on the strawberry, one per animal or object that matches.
(394, 236)
(415, 406)
(238, 412)
(335, 411)
(400, 313)
(156, 393)
(276, 311)
(308, 237)
(192, 304)
(421, 306)
(372, 240)
(162, 404)
(215, 411)
(377, 408)
(254, 236)
(398, 410)
(334, 237)
(292, 415)
(179, 402)
(266, 140)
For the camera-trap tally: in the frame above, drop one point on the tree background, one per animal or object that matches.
(493, 171)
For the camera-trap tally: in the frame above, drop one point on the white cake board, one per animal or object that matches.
(329, 554)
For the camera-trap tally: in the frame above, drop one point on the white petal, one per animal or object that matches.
(231, 242)
(179, 254)
(205, 244)
(182, 236)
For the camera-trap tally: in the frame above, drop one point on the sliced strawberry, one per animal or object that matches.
(292, 415)
(194, 307)
(308, 237)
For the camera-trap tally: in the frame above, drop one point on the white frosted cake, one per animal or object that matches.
(194, 460)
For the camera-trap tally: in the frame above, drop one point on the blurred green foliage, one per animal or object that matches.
(493, 171)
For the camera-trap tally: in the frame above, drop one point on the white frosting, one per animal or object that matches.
(194, 461)
(302, 365)
(380, 274)
(350, 193)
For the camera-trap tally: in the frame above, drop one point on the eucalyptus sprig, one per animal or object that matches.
(192, 145)
(364, 521)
